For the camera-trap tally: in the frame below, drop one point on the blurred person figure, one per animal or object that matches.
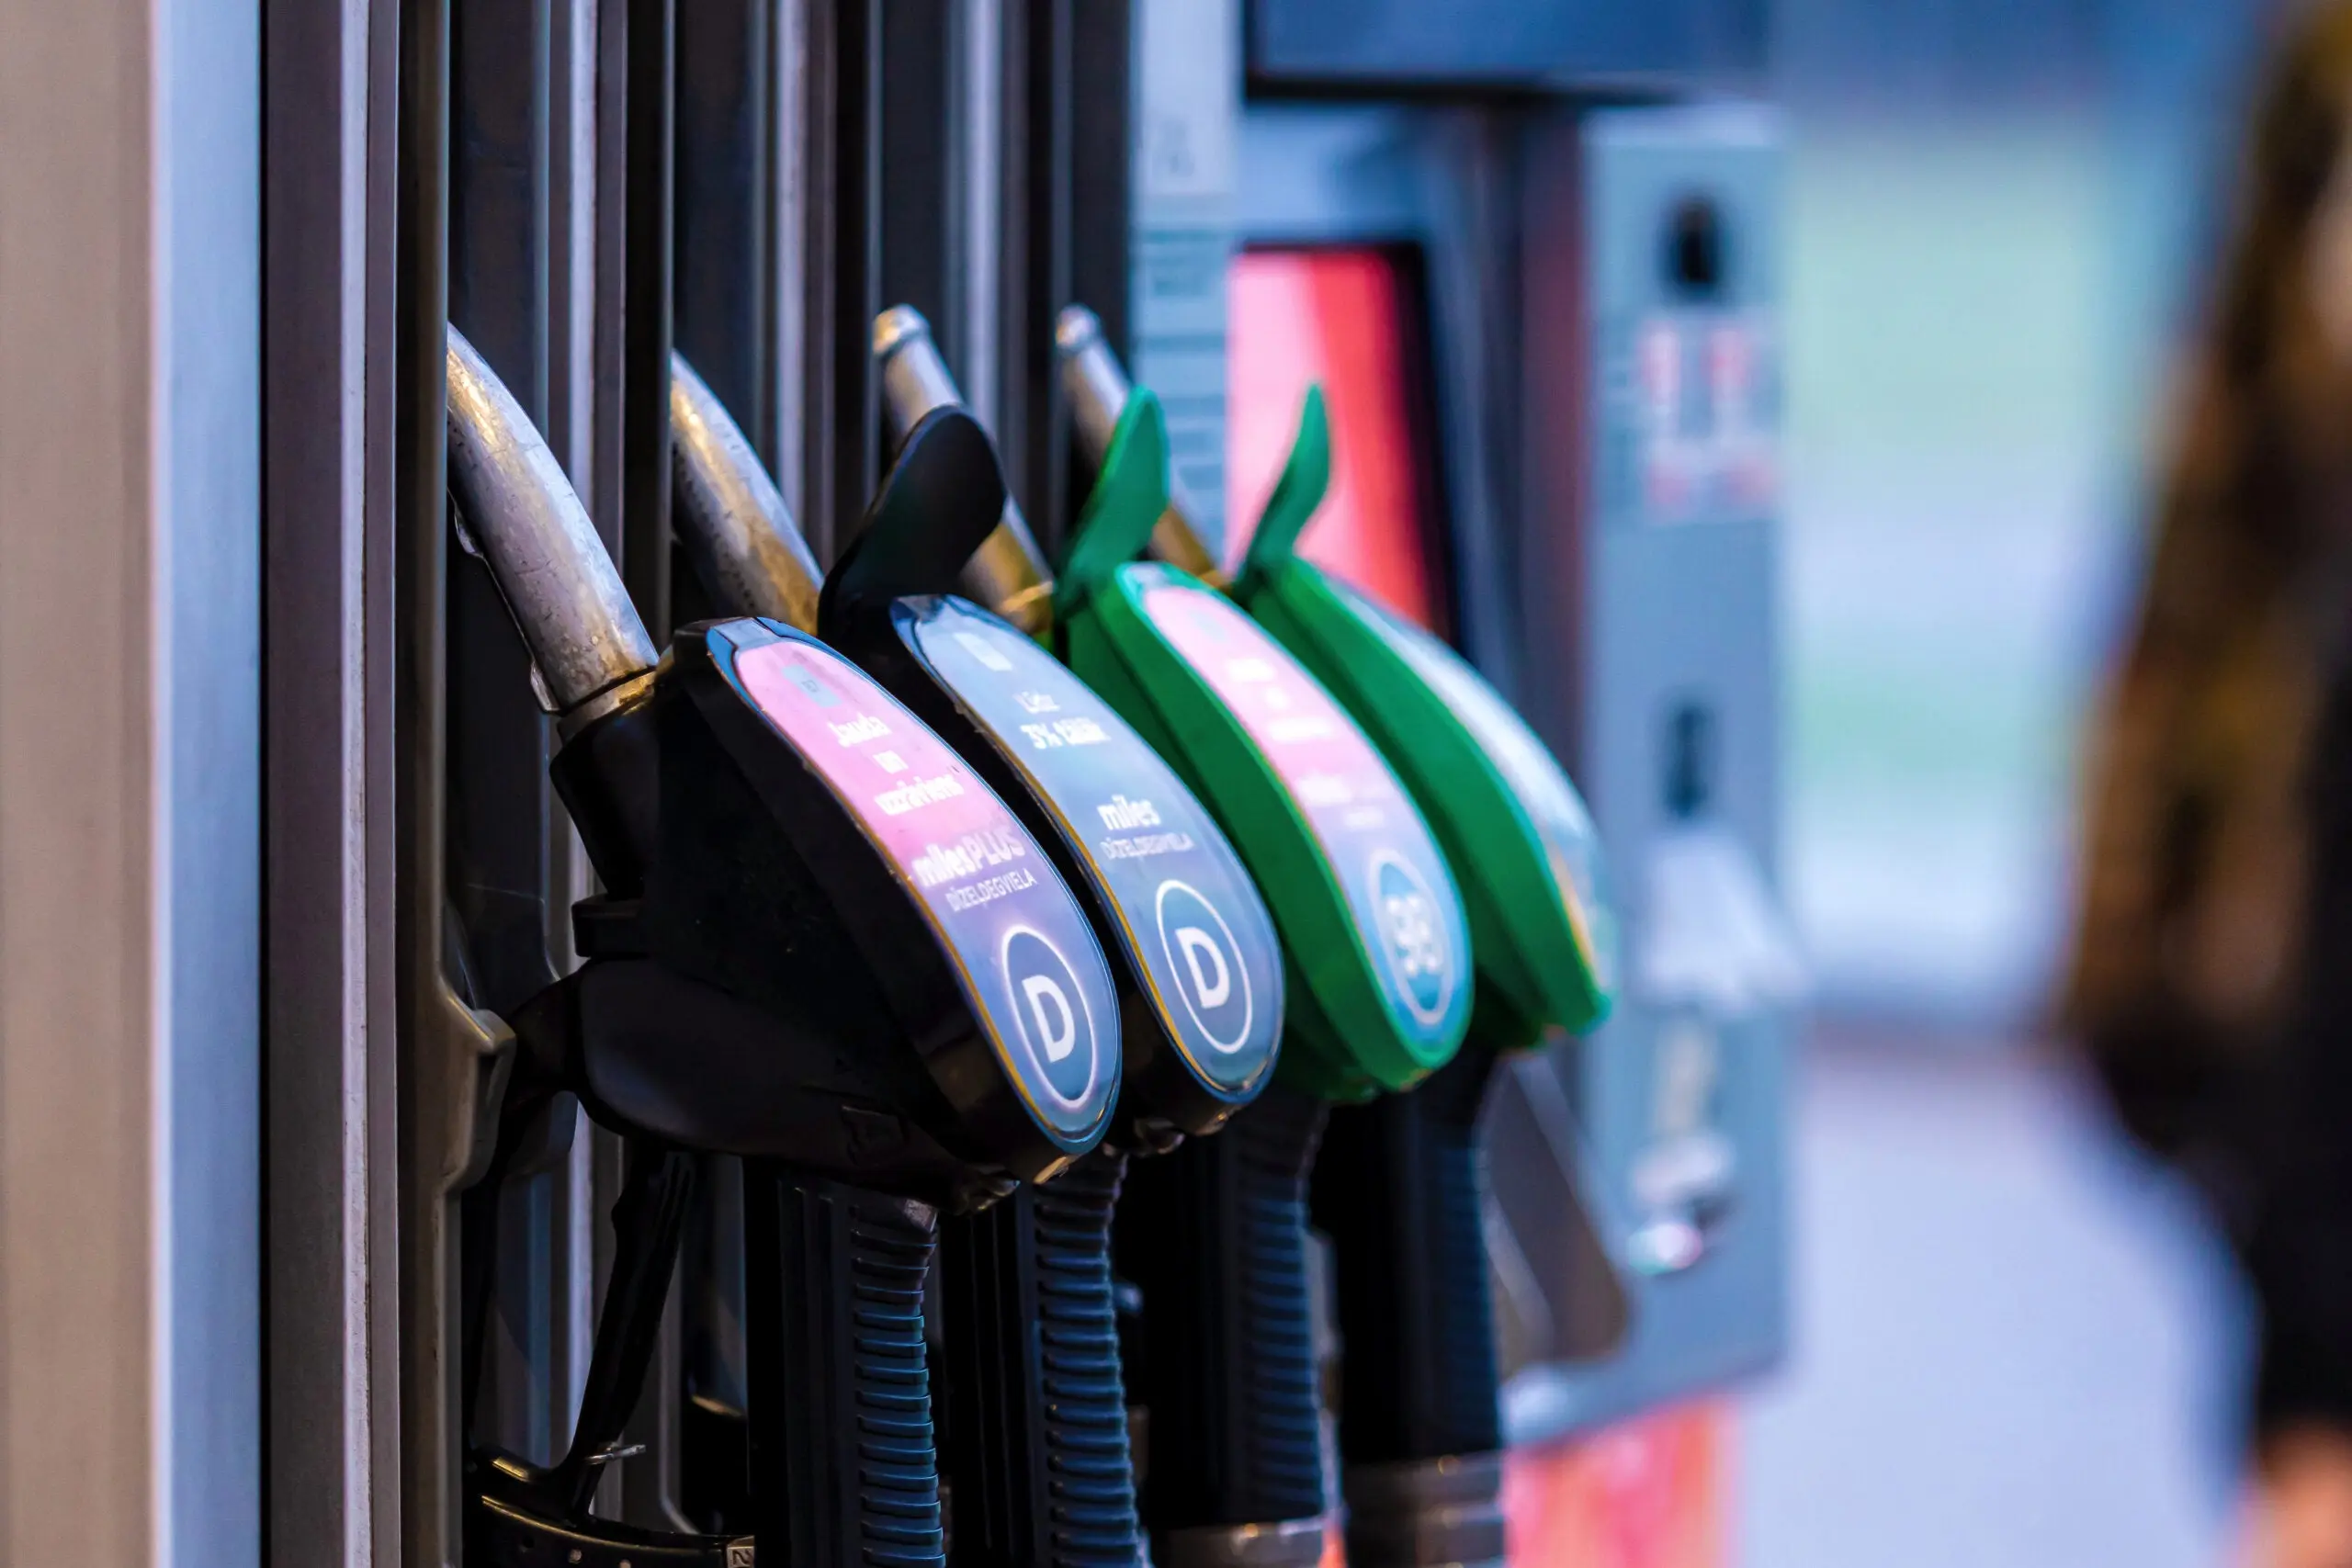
(2211, 982)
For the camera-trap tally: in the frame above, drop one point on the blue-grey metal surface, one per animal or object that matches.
(1681, 1097)
(1554, 44)
(208, 715)
(1185, 123)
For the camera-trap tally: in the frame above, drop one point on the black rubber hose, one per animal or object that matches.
(1215, 1234)
(843, 1473)
(649, 1226)
(1397, 1188)
(1037, 1437)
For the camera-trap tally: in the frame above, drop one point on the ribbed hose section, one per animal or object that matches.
(1397, 1190)
(1036, 1444)
(1091, 1478)
(1215, 1234)
(844, 1467)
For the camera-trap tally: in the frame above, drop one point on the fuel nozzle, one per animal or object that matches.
(826, 945)
(1215, 1235)
(590, 662)
(729, 515)
(1036, 1441)
(1399, 1183)
(588, 648)
(1008, 573)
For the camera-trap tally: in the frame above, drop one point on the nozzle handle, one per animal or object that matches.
(939, 499)
(844, 1471)
(1215, 1234)
(1397, 1190)
(521, 513)
(1035, 1438)
(749, 553)
(1008, 572)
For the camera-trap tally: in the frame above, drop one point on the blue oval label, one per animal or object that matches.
(1027, 960)
(1188, 917)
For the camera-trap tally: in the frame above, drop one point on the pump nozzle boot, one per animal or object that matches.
(1037, 1448)
(782, 970)
(1398, 1184)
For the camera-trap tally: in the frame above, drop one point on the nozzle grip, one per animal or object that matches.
(1215, 1233)
(1036, 1432)
(1397, 1190)
(844, 1470)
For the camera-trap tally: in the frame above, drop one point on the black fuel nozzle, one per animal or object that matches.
(1399, 1190)
(1399, 1183)
(845, 961)
(591, 659)
(1036, 1429)
(1007, 573)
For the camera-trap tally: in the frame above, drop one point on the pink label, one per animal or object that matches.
(1030, 962)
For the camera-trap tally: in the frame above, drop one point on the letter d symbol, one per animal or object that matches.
(1058, 1032)
(1198, 944)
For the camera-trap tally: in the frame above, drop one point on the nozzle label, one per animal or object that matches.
(1571, 844)
(1188, 917)
(1408, 913)
(1031, 967)
(1052, 1008)
(1211, 969)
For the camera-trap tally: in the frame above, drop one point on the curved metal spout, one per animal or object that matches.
(1096, 387)
(1008, 572)
(1092, 379)
(730, 516)
(521, 514)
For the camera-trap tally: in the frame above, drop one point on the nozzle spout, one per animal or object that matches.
(1097, 388)
(521, 513)
(1008, 572)
(729, 514)
(1092, 379)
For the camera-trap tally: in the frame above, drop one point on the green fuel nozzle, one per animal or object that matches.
(1397, 1185)
(1380, 955)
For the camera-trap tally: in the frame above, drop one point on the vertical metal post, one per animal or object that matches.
(501, 821)
(727, 198)
(727, 300)
(916, 218)
(1036, 283)
(430, 1438)
(453, 1058)
(130, 712)
(979, 186)
(570, 430)
(636, 65)
(329, 1358)
(647, 136)
(838, 254)
(790, 160)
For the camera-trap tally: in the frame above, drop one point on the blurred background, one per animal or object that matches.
(2015, 1342)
